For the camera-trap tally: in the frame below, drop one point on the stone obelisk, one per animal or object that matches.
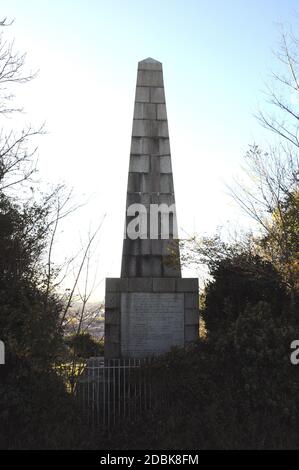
(150, 308)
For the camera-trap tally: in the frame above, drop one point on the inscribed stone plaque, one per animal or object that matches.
(151, 323)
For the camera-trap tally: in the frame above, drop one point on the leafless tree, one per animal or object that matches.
(269, 178)
(17, 166)
(269, 195)
(78, 313)
(84, 267)
(283, 92)
(270, 183)
(16, 159)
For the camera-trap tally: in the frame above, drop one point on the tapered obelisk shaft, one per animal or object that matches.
(150, 182)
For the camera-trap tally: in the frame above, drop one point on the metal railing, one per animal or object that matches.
(114, 390)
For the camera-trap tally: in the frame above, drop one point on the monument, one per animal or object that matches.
(150, 308)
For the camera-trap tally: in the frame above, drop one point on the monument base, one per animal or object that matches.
(149, 316)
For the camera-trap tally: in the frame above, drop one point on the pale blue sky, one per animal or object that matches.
(216, 57)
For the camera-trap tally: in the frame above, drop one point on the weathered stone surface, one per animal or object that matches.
(113, 333)
(136, 146)
(151, 78)
(140, 285)
(149, 286)
(129, 269)
(187, 285)
(112, 317)
(112, 300)
(160, 128)
(169, 270)
(166, 183)
(139, 198)
(165, 164)
(114, 284)
(191, 300)
(157, 95)
(191, 333)
(111, 350)
(156, 266)
(164, 285)
(131, 247)
(149, 128)
(133, 183)
(145, 183)
(160, 247)
(191, 316)
(142, 128)
(149, 64)
(164, 147)
(151, 323)
(145, 266)
(142, 94)
(139, 164)
(145, 111)
(150, 145)
(165, 198)
(145, 247)
(161, 112)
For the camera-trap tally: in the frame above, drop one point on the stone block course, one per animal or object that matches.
(157, 95)
(142, 128)
(145, 111)
(140, 284)
(166, 183)
(112, 316)
(114, 333)
(187, 285)
(139, 164)
(150, 78)
(114, 284)
(161, 112)
(142, 94)
(165, 164)
(191, 316)
(149, 64)
(164, 285)
(112, 300)
(164, 146)
(136, 145)
(191, 300)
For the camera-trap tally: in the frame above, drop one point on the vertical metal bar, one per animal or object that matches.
(135, 387)
(129, 389)
(119, 379)
(140, 384)
(87, 408)
(109, 398)
(95, 394)
(81, 392)
(88, 394)
(150, 383)
(98, 395)
(92, 389)
(144, 383)
(114, 384)
(124, 388)
(104, 395)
